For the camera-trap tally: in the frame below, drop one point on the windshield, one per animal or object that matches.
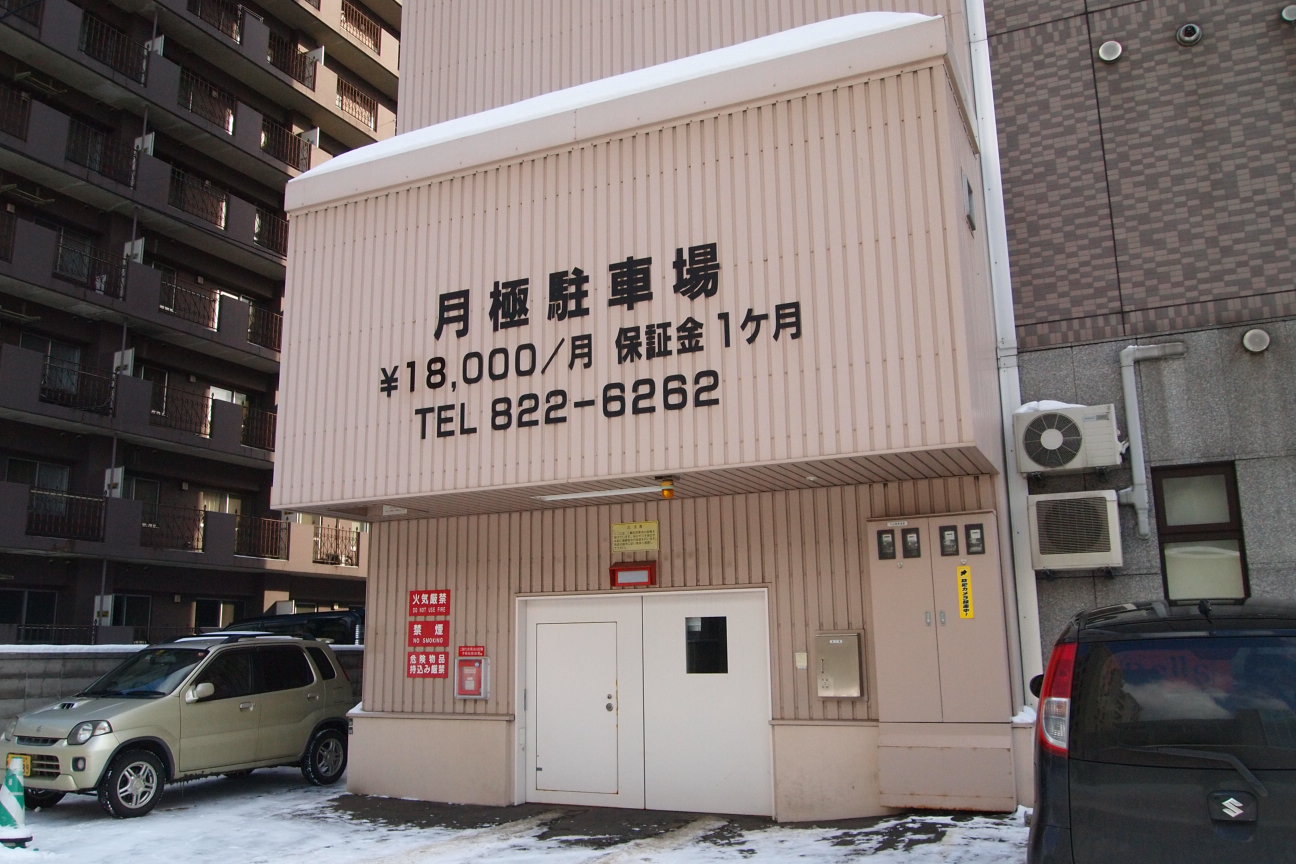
(150, 673)
(1233, 695)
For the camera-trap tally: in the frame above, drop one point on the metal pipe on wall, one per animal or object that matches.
(1137, 494)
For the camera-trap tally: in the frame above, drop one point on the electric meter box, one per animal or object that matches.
(837, 666)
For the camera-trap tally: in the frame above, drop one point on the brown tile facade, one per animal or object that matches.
(1152, 194)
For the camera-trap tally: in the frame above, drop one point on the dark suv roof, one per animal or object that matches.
(1159, 616)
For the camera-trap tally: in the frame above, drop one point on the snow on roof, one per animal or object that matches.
(779, 63)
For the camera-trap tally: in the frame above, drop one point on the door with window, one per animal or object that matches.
(658, 701)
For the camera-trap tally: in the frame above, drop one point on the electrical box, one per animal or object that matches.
(837, 666)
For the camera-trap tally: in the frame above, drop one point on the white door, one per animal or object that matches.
(584, 703)
(707, 703)
(658, 700)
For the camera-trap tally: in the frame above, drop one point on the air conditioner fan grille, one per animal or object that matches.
(1052, 440)
(1073, 525)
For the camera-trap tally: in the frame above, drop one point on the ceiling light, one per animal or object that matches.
(655, 489)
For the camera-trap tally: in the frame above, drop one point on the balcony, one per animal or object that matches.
(61, 514)
(164, 527)
(261, 538)
(96, 403)
(198, 197)
(73, 387)
(361, 36)
(23, 10)
(57, 523)
(97, 150)
(110, 46)
(283, 144)
(357, 103)
(366, 29)
(208, 101)
(36, 264)
(224, 16)
(15, 111)
(271, 231)
(337, 546)
(288, 58)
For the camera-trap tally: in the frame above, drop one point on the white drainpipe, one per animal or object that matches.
(1027, 628)
(1137, 495)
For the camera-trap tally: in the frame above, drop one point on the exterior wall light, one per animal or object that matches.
(1110, 51)
(1255, 340)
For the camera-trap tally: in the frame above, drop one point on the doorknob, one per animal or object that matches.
(608, 706)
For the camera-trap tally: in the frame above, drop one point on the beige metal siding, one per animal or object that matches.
(838, 198)
(459, 58)
(806, 546)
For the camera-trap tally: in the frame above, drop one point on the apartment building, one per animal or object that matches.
(144, 150)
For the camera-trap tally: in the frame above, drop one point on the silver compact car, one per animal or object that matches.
(195, 707)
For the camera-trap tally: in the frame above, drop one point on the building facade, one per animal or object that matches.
(143, 158)
(1144, 149)
(755, 277)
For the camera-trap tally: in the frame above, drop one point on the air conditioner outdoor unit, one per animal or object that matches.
(1060, 440)
(1074, 530)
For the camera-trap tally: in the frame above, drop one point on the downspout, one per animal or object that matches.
(1030, 657)
(1137, 495)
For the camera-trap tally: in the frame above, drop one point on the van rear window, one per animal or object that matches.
(1234, 695)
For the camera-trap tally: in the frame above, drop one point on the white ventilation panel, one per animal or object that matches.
(1074, 530)
(1075, 438)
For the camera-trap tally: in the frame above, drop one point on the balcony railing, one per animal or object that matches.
(189, 301)
(15, 111)
(93, 148)
(59, 514)
(112, 47)
(104, 274)
(72, 387)
(283, 144)
(198, 197)
(315, 3)
(25, 10)
(285, 56)
(8, 230)
(165, 527)
(225, 16)
(261, 538)
(180, 409)
(208, 101)
(358, 23)
(354, 101)
(271, 231)
(259, 428)
(265, 328)
(337, 546)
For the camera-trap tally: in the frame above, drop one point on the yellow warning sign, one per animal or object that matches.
(966, 610)
(636, 536)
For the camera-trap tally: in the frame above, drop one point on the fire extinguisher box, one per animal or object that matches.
(472, 677)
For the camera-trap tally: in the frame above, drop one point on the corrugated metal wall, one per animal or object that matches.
(839, 199)
(806, 546)
(459, 58)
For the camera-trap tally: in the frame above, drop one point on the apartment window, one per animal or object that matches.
(215, 613)
(19, 606)
(216, 501)
(149, 492)
(37, 474)
(1200, 528)
(130, 610)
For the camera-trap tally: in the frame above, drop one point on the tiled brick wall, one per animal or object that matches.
(1153, 194)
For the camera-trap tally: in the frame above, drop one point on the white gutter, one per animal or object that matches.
(1137, 495)
(1027, 601)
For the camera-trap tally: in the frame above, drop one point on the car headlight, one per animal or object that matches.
(10, 730)
(83, 732)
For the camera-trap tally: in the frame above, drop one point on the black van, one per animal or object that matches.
(1167, 732)
(340, 626)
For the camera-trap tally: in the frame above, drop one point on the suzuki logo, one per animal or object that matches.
(1235, 806)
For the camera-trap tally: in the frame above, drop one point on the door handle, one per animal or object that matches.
(312, 697)
(927, 617)
(942, 618)
(246, 706)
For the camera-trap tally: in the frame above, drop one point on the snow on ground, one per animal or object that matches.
(273, 816)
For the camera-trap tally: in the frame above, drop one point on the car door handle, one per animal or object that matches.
(246, 706)
(312, 697)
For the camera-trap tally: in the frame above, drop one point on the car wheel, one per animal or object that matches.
(36, 798)
(132, 784)
(326, 757)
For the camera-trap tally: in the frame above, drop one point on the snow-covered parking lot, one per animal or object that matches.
(273, 816)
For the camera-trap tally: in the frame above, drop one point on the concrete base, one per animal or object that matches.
(463, 760)
(826, 771)
(947, 766)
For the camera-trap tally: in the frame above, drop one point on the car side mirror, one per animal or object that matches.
(1036, 685)
(199, 692)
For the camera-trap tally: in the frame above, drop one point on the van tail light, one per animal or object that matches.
(1055, 699)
